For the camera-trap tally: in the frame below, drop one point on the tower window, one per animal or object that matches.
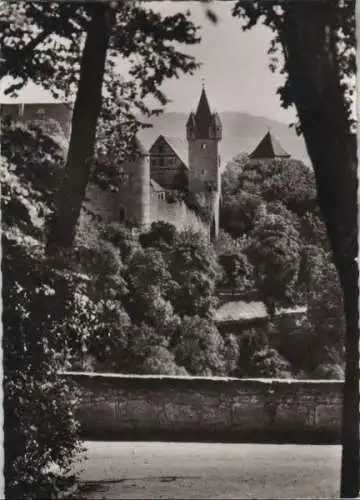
(203, 146)
(40, 113)
(122, 214)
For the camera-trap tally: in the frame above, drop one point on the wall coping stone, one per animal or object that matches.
(265, 381)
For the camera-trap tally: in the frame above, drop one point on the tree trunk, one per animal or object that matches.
(307, 37)
(81, 148)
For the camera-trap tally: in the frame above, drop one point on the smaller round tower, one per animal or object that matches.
(134, 193)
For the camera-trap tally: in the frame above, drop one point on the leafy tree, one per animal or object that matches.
(142, 340)
(278, 207)
(161, 234)
(237, 270)
(313, 230)
(268, 362)
(230, 176)
(237, 213)
(194, 268)
(36, 161)
(324, 299)
(288, 183)
(150, 284)
(250, 342)
(231, 354)
(122, 238)
(99, 318)
(225, 243)
(41, 440)
(329, 372)
(63, 65)
(275, 255)
(298, 344)
(294, 185)
(256, 172)
(317, 41)
(199, 347)
(160, 361)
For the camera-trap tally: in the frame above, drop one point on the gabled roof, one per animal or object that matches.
(269, 147)
(179, 147)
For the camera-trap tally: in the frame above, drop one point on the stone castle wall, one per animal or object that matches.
(106, 207)
(201, 408)
(176, 213)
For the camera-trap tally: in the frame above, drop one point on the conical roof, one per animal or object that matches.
(203, 115)
(269, 147)
(203, 109)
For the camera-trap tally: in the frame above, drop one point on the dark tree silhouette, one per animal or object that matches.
(317, 40)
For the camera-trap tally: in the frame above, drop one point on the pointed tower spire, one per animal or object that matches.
(203, 109)
(203, 115)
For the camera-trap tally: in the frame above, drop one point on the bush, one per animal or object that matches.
(160, 361)
(334, 372)
(122, 238)
(40, 429)
(268, 363)
(160, 234)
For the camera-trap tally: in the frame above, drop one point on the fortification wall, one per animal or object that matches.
(202, 408)
(106, 207)
(176, 213)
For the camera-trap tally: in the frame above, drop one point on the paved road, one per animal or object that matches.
(129, 470)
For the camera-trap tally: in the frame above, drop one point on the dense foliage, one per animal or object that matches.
(278, 247)
(40, 441)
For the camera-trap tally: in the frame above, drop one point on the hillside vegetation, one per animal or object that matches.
(145, 302)
(133, 302)
(275, 241)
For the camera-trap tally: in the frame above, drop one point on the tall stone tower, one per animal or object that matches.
(204, 132)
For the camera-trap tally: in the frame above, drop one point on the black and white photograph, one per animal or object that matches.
(180, 249)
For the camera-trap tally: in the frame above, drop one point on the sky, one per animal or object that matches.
(234, 67)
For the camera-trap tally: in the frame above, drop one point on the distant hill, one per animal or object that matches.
(241, 133)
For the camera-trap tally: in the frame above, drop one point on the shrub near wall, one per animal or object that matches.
(204, 408)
